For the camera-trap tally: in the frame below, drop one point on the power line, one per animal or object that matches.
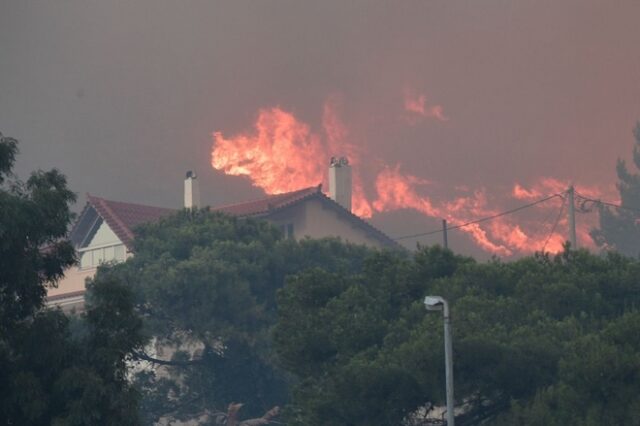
(553, 228)
(484, 219)
(606, 203)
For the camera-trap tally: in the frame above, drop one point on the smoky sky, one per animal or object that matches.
(123, 96)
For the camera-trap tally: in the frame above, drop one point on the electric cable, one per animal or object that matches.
(555, 225)
(606, 203)
(484, 219)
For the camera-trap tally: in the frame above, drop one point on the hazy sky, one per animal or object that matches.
(123, 96)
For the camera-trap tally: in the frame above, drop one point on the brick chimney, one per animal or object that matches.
(340, 181)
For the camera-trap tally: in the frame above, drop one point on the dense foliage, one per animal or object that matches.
(620, 228)
(54, 370)
(339, 334)
(34, 217)
(542, 340)
(222, 313)
(205, 286)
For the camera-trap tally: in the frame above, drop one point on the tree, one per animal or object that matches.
(353, 340)
(55, 369)
(34, 217)
(527, 334)
(620, 228)
(598, 381)
(205, 287)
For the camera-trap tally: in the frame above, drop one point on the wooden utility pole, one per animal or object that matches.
(572, 218)
(445, 239)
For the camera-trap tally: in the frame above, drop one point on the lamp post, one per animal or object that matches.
(437, 303)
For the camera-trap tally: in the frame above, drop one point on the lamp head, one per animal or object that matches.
(434, 303)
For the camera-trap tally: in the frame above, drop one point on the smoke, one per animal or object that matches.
(281, 153)
(123, 98)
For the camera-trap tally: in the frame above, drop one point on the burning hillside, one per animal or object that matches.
(281, 153)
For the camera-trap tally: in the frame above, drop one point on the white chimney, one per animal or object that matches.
(191, 191)
(340, 181)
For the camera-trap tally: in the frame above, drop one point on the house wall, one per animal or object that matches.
(111, 249)
(315, 219)
(311, 218)
(73, 281)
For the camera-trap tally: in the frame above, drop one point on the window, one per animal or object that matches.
(287, 230)
(86, 259)
(93, 257)
(119, 253)
(109, 252)
(98, 256)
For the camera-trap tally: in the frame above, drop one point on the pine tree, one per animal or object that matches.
(54, 369)
(620, 227)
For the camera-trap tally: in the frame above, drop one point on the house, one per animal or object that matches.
(104, 229)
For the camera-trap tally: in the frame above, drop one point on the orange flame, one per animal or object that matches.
(282, 154)
(278, 157)
(416, 104)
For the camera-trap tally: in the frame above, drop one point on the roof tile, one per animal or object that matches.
(123, 217)
(268, 204)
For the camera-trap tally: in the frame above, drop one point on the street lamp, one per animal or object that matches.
(437, 303)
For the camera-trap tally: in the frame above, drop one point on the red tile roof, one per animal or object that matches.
(270, 203)
(123, 217)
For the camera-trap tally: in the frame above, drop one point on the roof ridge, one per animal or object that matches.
(115, 217)
(309, 194)
(360, 219)
(128, 203)
(317, 188)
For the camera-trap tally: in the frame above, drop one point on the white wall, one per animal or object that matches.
(316, 220)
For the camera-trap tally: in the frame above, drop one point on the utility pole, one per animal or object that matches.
(572, 218)
(437, 303)
(445, 239)
(448, 357)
